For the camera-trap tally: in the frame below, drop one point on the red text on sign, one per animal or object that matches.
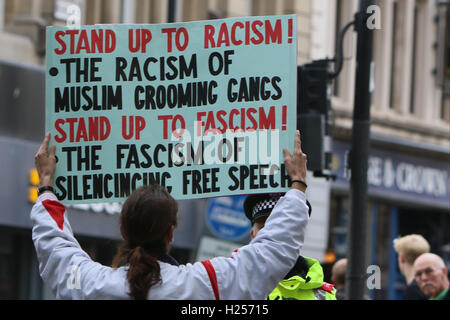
(134, 127)
(140, 41)
(81, 129)
(218, 122)
(100, 41)
(177, 119)
(253, 32)
(178, 32)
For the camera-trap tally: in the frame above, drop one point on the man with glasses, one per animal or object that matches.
(430, 273)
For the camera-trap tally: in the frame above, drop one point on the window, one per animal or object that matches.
(414, 59)
(339, 215)
(445, 109)
(27, 17)
(444, 27)
(339, 24)
(394, 51)
(14, 8)
(344, 84)
(410, 62)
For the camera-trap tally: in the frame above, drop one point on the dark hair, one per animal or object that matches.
(145, 222)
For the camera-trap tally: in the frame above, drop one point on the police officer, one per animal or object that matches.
(305, 280)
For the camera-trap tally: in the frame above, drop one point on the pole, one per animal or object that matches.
(171, 11)
(356, 265)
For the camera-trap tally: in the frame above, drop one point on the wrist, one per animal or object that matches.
(46, 181)
(300, 181)
(45, 189)
(299, 177)
(299, 185)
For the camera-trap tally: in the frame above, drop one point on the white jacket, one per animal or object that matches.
(251, 273)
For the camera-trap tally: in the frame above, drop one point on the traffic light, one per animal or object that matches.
(313, 83)
(314, 114)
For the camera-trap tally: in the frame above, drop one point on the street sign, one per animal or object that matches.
(212, 247)
(226, 219)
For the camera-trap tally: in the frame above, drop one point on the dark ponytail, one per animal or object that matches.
(146, 219)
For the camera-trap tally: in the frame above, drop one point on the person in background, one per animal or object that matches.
(408, 248)
(431, 275)
(305, 280)
(338, 277)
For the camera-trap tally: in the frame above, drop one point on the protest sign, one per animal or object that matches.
(204, 108)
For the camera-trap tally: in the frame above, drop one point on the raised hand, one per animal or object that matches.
(296, 163)
(45, 162)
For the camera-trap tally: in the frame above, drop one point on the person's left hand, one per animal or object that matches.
(45, 162)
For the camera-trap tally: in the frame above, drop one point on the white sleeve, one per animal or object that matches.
(68, 271)
(256, 269)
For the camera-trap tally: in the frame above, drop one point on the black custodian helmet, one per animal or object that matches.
(260, 205)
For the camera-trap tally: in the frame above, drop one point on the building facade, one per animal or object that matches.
(410, 130)
(408, 172)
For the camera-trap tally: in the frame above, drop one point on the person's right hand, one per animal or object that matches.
(45, 162)
(296, 163)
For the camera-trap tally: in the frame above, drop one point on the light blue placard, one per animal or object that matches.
(131, 104)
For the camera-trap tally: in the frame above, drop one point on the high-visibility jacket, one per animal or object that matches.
(310, 287)
(251, 273)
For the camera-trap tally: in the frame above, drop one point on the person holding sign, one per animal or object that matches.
(147, 223)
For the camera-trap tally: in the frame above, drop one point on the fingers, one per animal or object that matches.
(44, 146)
(297, 146)
(286, 154)
(53, 151)
(298, 142)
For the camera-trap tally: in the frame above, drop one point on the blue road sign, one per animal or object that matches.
(226, 219)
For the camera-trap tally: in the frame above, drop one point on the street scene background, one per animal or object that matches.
(409, 149)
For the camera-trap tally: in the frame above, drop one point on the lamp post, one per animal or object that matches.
(356, 269)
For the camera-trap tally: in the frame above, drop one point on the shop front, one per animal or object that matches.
(408, 193)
